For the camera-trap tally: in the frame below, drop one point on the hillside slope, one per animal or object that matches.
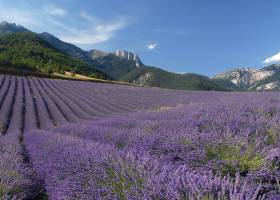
(64, 47)
(153, 76)
(114, 66)
(25, 50)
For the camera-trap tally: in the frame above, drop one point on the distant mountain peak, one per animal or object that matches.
(129, 56)
(4, 23)
(6, 28)
(47, 34)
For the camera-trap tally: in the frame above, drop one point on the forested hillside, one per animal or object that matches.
(27, 51)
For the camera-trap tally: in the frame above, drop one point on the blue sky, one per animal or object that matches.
(200, 36)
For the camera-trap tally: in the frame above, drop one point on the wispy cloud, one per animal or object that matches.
(55, 11)
(95, 30)
(273, 59)
(152, 46)
(22, 17)
(80, 28)
(89, 17)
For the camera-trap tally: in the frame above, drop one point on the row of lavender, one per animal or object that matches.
(28, 104)
(17, 179)
(226, 150)
(56, 102)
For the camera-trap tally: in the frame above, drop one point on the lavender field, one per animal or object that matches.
(63, 140)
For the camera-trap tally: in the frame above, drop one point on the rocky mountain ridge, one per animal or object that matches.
(247, 78)
(6, 28)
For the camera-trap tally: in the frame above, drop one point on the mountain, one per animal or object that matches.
(26, 50)
(21, 48)
(126, 66)
(66, 48)
(267, 78)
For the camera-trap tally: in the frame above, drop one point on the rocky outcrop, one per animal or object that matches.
(129, 56)
(143, 79)
(245, 77)
(269, 86)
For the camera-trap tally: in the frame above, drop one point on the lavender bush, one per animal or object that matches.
(75, 168)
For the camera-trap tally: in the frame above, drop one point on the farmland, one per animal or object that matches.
(62, 139)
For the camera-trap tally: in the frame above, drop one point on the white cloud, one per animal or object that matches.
(152, 46)
(97, 31)
(55, 11)
(273, 59)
